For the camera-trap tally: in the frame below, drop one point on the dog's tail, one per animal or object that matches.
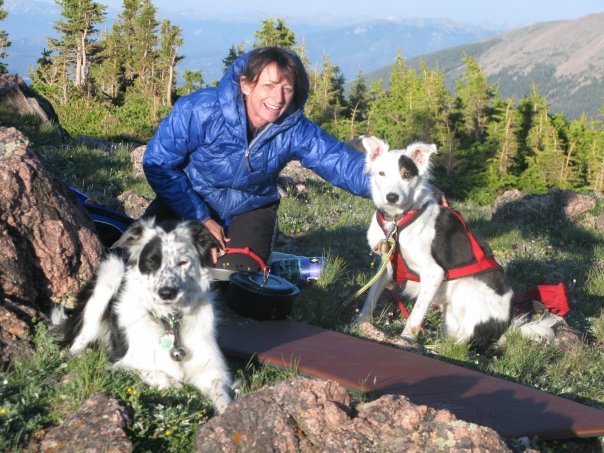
(540, 329)
(83, 325)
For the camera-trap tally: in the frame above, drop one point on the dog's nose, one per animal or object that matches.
(167, 292)
(391, 197)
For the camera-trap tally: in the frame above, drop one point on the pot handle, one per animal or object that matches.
(248, 251)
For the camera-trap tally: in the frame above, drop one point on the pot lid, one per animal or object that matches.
(256, 282)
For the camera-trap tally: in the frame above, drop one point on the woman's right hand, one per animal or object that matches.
(217, 231)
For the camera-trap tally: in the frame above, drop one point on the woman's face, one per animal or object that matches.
(269, 98)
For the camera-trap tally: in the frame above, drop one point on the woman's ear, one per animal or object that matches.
(244, 85)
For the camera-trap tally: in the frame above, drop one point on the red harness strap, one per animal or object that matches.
(403, 273)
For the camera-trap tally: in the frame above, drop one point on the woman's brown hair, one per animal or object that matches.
(290, 67)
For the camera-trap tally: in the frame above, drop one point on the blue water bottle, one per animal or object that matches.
(299, 270)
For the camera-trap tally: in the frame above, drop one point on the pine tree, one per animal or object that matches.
(503, 137)
(475, 95)
(193, 82)
(388, 112)
(4, 41)
(595, 157)
(274, 32)
(109, 74)
(415, 107)
(124, 31)
(234, 53)
(353, 119)
(137, 27)
(170, 42)
(146, 41)
(326, 99)
(358, 99)
(75, 43)
(497, 157)
(586, 146)
(46, 77)
(545, 149)
(440, 108)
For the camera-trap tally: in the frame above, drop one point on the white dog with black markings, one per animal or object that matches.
(150, 306)
(436, 258)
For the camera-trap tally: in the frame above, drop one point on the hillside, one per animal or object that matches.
(564, 58)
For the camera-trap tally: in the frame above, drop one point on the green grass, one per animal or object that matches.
(38, 133)
(40, 391)
(101, 175)
(27, 393)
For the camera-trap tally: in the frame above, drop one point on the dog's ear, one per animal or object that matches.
(204, 241)
(133, 234)
(420, 154)
(374, 147)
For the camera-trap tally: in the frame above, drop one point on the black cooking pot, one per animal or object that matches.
(254, 295)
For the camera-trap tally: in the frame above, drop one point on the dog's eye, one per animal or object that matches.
(182, 263)
(406, 174)
(382, 173)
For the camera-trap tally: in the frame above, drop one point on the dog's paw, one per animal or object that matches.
(79, 346)
(158, 379)
(360, 319)
(411, 331)
(221, 403)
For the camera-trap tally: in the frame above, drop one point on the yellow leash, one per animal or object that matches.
(391, 243)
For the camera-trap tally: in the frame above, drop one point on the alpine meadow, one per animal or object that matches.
(116, 85)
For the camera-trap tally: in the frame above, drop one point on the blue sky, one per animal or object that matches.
(493, 12)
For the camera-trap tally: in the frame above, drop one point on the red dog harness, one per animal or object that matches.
(402, 272)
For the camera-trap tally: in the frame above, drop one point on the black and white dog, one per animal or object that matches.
(441, 262)
(150, 306)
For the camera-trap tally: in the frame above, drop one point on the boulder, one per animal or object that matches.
(311, 415)
(99, 425)
(49, 245)
(15, 332)
(556, 204)
(24, 101)
(293, 179)
(133, 204)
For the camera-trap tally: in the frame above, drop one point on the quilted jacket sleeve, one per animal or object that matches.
(331, 159)
(165, 158)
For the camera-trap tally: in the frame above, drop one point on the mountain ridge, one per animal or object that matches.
(565, 59)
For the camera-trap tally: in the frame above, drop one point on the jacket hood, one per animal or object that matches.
(231, 97)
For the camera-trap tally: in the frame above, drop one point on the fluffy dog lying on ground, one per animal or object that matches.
(150, 306)
(436, 257)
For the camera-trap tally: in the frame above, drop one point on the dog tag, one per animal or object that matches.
(166, 341)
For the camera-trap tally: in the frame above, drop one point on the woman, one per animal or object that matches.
(217, 156)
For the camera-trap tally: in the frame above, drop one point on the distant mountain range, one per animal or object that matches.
(565, 59)
(353, 45)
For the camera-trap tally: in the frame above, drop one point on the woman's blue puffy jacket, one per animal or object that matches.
(201, 164)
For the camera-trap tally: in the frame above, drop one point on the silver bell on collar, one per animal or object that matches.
(177, 354)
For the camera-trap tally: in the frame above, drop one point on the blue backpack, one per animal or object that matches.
(109, 224)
